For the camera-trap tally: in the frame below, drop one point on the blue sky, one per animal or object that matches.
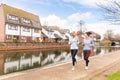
(66, 13)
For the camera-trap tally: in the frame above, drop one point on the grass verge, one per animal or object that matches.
(114, 76)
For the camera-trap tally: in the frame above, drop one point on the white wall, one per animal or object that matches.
(67, 34)
(52, 35)
(36, 34)
(57, 32)
(12, 32)
(29, 34)
(45, 32)
(64, 36)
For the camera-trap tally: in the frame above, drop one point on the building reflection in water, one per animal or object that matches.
(18, 61)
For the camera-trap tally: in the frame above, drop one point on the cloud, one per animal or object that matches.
(102, 27)
(78, 16)
(99, 28)
(91, 3)
(53, 20)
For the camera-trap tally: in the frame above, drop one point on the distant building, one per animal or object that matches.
(96, 36)
(18, 24)
(50, 34)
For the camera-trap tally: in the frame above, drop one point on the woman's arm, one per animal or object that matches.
(69, 42)
(92, 43)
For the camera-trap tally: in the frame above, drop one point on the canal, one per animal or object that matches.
(14, 61)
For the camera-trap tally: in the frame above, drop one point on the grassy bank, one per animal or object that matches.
(114, 76)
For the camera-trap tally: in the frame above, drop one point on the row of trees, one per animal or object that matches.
(110, 35)
(112, 14)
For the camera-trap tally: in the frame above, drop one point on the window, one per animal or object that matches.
(36, 30)
(12, 27)
(8, 37)
(12, 17)
(26, 29)
(36, 24)
(27, 21)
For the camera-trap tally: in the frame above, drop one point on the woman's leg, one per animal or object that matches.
(73, 53)
(85, 57)
(74, 59)
(72, 56)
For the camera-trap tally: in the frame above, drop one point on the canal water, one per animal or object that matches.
(14, 61)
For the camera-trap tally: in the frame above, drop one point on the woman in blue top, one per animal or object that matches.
(88, 43)
(73, 41)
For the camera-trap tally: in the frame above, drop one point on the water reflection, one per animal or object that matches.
(17, 61)
(13, 61)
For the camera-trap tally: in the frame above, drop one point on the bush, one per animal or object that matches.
(105, 43)
(14, 39)
(2, 44)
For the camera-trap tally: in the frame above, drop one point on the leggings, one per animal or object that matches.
(73, 53)
(86, 56)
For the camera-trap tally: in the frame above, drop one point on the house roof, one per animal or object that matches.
(48, 29)
(61, 31)
(96, 35)
(44, 35)
(67, 37)
(18, 12)
(57, 36)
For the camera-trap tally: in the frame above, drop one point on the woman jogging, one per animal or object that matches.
(88, 43)
(74, 42)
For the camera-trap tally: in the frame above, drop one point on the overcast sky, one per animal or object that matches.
(67, 13)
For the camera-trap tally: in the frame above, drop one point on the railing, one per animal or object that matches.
(17, 44)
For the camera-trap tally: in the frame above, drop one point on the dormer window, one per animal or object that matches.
(12, 17)
(36, 30)
(35, 23)
(26, 29)
(27, 21)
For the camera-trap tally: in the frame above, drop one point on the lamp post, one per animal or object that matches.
(81, 23)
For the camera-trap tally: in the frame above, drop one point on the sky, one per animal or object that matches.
(67, 13)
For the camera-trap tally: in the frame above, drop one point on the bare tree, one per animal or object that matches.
(109, 35)
(117, 37)
(112, 11)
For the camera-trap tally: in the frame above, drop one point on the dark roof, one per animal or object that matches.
(67, 37)
(44, 35)
(66, 30)
(96, 35)
(48, 28)
(61, 31)
(57, 36)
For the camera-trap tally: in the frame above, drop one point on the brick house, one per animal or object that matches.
(18, 24)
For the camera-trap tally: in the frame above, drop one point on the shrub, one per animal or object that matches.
(2, 44)
(105, 43)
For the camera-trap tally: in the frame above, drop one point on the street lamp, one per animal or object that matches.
(81, 23)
